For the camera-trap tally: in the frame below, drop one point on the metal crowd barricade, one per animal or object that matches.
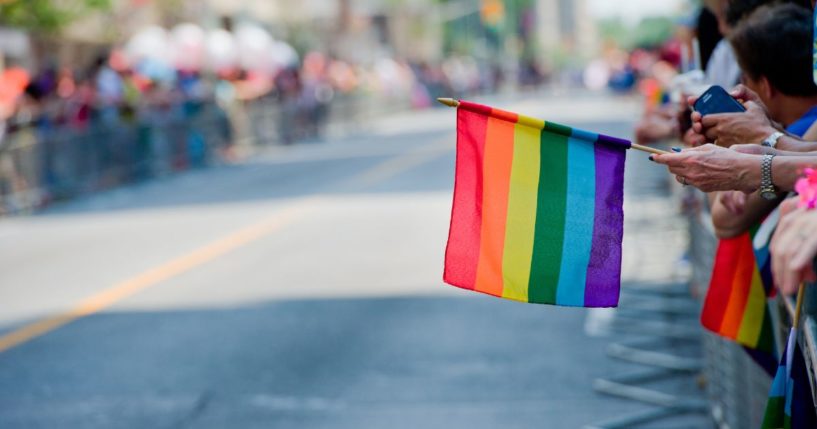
(39, 163)
(658, 321)
(738, 387)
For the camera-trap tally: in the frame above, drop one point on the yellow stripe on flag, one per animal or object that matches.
(752, 323)
(521, 223)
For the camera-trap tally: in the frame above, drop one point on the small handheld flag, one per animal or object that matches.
(537, 214)
(736, 302)
(790, 404)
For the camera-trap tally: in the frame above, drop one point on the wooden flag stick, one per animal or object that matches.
(798, 306)
(649, 149)
(450, 102)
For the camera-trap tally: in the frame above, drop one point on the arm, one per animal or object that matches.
(734, 212)
(793, 247)
(789, 143)
(712, 168)
(787, 169)
(756, 149)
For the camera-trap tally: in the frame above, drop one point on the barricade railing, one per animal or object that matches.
(41, 163)
(737, 387)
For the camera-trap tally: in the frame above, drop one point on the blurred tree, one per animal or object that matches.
(46, 15)
(648, 33)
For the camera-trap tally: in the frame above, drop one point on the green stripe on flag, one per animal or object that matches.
(550, 216)
(766, 341)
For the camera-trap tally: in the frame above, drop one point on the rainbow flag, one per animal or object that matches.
(537, 214)
(736, 302)
(790, 404)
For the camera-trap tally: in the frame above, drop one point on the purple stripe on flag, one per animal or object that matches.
(604, 270)
(614, 141)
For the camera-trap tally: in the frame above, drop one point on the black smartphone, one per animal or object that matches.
(717, 100)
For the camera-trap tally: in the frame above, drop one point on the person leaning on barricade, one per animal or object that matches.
(750, 153)
(779, 92)
(794, 246)
(753, 154)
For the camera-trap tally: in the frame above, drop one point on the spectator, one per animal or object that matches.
(794, 247)
(790, 92)
(775, 69)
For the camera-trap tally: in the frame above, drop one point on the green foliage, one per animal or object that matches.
(46, 15)
(650, 32)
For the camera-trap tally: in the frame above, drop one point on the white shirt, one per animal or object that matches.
(723, 68)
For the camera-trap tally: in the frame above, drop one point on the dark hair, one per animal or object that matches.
(775, 42)
(706, 29)
(737, 10)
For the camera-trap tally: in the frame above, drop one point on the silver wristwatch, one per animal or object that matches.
(771, 141)
(767, 189)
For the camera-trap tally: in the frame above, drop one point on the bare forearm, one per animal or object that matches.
(789, 143)
(729, 224)
(786, 170)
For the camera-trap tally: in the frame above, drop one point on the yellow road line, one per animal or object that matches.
(207, 253)
(156, 275)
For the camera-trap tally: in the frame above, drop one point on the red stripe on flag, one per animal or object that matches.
(741, 285)
(462, 252)
(720, 286)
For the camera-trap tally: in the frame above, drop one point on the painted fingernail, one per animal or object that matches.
(676, 149)
(652, 158)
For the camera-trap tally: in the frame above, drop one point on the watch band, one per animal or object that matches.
(771, 141)
(767, 189)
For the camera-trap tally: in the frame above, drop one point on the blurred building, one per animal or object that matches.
(359, 30)
(567, 26)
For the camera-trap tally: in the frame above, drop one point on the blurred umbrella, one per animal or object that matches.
(221, 51)
(188, 42)
(283, 55)
(150, 43)
(254, 49)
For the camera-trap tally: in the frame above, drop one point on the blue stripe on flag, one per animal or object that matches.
(581, 200)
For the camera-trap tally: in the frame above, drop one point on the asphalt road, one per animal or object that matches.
(299, 289)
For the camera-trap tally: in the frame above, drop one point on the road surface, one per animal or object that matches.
(302, 288)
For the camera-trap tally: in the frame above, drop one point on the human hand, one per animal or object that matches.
(733, 201)
(727, 129)
(712, 168)
(742, 93)
(692, 138)
(655, 126)
(794, 247)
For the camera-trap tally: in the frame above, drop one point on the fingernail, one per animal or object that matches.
(652, 158)
(676, 149)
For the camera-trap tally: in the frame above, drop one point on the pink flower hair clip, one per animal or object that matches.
(807, 188)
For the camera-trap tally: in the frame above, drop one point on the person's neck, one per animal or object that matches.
(793, 108)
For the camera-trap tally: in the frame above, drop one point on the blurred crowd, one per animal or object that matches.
(752, 152)
(171, 100)
(114, 89)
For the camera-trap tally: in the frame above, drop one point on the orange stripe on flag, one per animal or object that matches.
(496, 184)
